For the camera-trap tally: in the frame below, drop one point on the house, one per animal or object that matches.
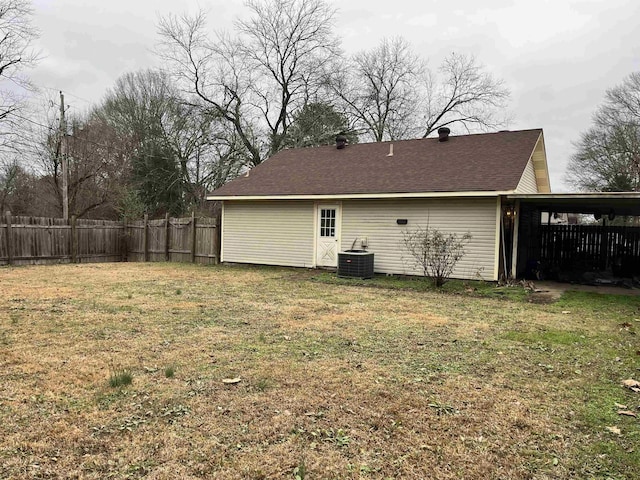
(302, 206)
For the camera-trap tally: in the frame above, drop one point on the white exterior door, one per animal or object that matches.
(327, 235)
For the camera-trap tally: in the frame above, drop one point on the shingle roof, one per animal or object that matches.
(467, 163)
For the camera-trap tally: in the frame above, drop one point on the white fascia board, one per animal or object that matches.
(353, 196)
(577, 196)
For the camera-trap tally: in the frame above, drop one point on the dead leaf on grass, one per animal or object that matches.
(615, 430)
(231, 381)
(628, 413)
(566, 312)
(632, 385)
(620, 406)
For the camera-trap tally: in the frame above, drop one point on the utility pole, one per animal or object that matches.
(65, 161)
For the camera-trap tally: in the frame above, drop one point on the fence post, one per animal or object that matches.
(193, 237)
(9, 242)
(166, 237)
(74, 240)
(145, 237)
(124, 247)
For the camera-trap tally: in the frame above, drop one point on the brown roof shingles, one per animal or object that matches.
(467, 163)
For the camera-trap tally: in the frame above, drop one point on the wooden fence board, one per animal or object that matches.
(37, 240)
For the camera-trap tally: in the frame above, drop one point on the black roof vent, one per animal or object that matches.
(341, 141)
(443, 134)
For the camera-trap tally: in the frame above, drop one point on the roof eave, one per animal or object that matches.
(354, 196)
(574, 195)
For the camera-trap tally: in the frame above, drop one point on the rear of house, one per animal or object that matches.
(303, 206)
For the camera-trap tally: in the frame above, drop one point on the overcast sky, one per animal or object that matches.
(557, 57)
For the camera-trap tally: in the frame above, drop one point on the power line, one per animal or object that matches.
(73, 136)
(31, 121)
(65, 92)
(80, 98)
(86, 140)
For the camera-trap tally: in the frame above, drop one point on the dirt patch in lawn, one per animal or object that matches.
(326, 381)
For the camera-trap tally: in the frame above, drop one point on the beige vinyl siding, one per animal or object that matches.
(376, 220)
(527, 183)
(269, 233)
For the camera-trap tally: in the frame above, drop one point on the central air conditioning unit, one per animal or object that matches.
(355, 263)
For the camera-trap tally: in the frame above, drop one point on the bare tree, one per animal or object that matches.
(213, 72)
(289, 42)
(16, 35)
(98, 167)
(20, 191)
(8, 176)
(393, 95)
(257, 80)
(463, 94)
(607, 156)
(379, 89)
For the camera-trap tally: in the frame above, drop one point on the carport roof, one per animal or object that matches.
(622, 203)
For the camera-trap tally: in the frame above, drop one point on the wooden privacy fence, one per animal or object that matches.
(39, 240)
(591, 247)
(192, 239)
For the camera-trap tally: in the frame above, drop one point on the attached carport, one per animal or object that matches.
(571, 252)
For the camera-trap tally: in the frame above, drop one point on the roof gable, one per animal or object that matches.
(467, 163)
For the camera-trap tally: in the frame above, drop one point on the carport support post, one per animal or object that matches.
(515, 236)
(604, 245)
(9, 242)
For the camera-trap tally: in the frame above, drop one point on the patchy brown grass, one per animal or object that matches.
(336, 381)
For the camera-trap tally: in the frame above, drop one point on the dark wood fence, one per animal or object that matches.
(590, 247)
(38, 240)
(192, 239)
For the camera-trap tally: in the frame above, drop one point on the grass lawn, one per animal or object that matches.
(336, 379)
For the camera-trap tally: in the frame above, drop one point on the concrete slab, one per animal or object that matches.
(553, 290)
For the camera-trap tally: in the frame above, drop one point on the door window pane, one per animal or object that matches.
(328, 222)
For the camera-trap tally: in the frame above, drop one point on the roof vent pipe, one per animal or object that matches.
(443, 134)
(341, 141)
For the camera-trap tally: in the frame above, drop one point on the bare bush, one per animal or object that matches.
(436, 253)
